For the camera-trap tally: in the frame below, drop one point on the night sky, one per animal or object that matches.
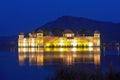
(25, 15)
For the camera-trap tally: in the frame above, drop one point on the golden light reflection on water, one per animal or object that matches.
(65, 56)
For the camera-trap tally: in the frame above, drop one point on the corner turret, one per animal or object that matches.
(21, 35)
(97, 34)
(96, 38)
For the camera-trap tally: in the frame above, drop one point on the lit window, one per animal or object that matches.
(90, 44)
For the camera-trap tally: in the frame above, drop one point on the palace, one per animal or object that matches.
(69, 39)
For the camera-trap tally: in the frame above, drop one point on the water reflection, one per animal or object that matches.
(53, 56)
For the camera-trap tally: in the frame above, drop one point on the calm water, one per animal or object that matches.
(38, 64)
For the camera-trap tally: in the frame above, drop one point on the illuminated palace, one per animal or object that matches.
(69, 39)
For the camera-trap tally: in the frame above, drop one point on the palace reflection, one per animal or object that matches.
(53, 56)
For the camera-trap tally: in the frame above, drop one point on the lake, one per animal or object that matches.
(41, 63)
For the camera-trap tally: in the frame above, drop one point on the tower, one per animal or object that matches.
(39, 33)
(20, 39)
(21, 35)
(39, 38)
(97, 34)
(96, 38)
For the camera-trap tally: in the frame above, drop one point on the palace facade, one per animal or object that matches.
(69, 39)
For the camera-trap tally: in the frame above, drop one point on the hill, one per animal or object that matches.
(109, 30)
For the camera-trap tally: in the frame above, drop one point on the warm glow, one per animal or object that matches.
(74, 44)
(90, 44)
(47, 44)
(90, 49)
(68, 48)
(33, 44)
(69, 60)
(67, 40)
(67, 56)
(97, 58)
(30, 50)
(61, 49)
(74, 49)
(69, 35)
(61, 43)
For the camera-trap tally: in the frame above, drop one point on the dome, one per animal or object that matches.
(33, 32)
(68, 31)
(96, 32)
(39, 31)
(21, 33)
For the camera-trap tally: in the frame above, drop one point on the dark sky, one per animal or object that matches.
(25, 15)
